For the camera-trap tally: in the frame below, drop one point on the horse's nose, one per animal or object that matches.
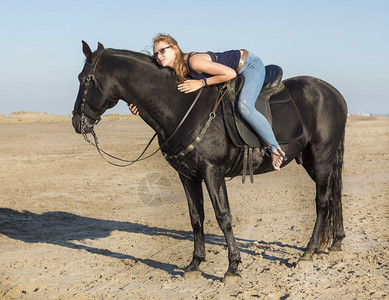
(76, 121)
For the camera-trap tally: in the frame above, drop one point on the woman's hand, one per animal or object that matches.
(189, 86)
(133, 109)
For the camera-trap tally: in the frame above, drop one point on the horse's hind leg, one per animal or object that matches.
(322, 208)
(194, 195)
(326, 170)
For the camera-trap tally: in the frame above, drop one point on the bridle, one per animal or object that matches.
(90, 114)
(85, 124)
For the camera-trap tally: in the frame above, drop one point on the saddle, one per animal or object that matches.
(275, 103)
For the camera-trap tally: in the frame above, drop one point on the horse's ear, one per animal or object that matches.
(100, 46)
(87, 51)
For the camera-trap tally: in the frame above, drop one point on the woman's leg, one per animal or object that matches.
(253, 72)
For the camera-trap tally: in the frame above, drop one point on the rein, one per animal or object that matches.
(130, 162)
(85, 124)
(203, 131)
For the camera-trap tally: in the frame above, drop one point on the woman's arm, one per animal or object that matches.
(202, 63)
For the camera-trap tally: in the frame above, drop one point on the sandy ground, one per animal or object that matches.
(74, 227)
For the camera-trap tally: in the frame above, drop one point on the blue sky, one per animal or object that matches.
(344, 42)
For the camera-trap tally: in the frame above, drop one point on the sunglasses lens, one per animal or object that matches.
(162, 52)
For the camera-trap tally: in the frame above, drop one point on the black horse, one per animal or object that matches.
(109, 75)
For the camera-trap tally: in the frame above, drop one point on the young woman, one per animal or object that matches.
(210, 68)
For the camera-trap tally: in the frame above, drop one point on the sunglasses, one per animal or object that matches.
(162, 52)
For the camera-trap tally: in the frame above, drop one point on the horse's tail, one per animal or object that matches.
(333, 231)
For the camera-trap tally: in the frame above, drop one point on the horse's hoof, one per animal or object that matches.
(232, 278)
(192, 268)
(307, 256)
(335, 248)
(192, 272)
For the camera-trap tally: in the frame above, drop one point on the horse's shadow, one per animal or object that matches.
(65, 229)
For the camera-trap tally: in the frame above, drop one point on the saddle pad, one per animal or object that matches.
(286, 121)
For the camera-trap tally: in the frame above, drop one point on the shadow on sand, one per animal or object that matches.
(63, 228)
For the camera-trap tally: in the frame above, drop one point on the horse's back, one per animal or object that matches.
(314, 91)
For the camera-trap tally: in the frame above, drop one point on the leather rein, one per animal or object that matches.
(85, 124)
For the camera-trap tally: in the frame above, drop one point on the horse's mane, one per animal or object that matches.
(130, 55)
(141, 59)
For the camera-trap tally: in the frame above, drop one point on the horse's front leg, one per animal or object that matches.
(216, 185)
(194, 194)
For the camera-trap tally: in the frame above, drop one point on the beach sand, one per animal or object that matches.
(74, 227)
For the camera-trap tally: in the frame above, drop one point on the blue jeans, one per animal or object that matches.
(253, 72)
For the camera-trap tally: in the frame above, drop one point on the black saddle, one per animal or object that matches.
(274, 102)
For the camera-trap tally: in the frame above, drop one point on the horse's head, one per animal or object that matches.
(94, 95)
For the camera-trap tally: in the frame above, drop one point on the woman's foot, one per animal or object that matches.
(277, 157)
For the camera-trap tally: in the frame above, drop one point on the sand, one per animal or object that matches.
(74, 227)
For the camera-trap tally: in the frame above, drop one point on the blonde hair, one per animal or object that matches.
(179, 66)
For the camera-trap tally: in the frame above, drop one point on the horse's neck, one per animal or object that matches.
(152, 90)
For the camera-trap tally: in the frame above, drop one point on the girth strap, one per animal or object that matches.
(248, 162)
